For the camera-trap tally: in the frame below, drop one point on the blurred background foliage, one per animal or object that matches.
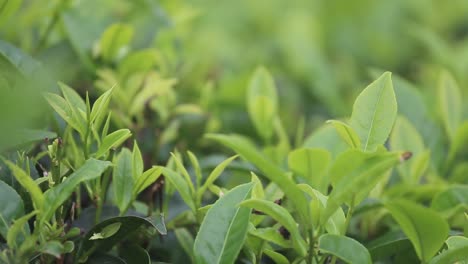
(320, 52)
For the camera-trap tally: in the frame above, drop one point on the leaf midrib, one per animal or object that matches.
(373, 116)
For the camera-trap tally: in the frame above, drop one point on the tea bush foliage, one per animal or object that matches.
(233, 131)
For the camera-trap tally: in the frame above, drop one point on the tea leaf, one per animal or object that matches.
(283, 217)
(146, 179)
(425, 228)
(215, 174)
(312, 164)
(123, 180)
(276, 257)
(112, 140)
(137, 161)
(345, 248)
(180, 184)
(28, 183)
(450, 103)
(346, 133)
(18, 227)
(114, 41)
(262, 102)
(224, 228)
(11, 209)
(374, 113)
(60, 193)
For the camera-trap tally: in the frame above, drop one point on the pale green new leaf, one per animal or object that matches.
(28, 183)
(180, 184)
(262, 102)
(146, 179)
(215, 174)
(112, 140)
(374, 113)
(114, 41)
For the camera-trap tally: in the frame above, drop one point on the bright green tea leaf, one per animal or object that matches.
(122, 181)
(107, 231)
(312, 164)
(283, 217)
(346, 133)
(60, 193)
(115, 41)
(18, 228)
(262, 102)
(345, 248)
(276, 257)
(28, 183)
(146, 179)
(426, 229)
(224, 228)
(215, 174)
(112, 140)
(11, 208)
(374, 113)
(180, 184)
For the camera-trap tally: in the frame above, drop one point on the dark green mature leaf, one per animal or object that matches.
(123, 180)
(283, 217)
(426, 229)
(450, 103)
(224, 228)
(28, 183)
(312, 164)
(185, 239)
(113, 140)
(102, 258)
(262, 102)
(56, 196)
(345, 248)
(133, 253)
(374, 113)
(270, 170)
(11, 207)
(128, 225)
(388, 244)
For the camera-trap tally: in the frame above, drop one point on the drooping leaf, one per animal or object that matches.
(450, 103)
(11, 208)
(123, 181)
(224, 228)
(283, 217)
(113, 140)
(345, 248)
(426, 229)
(374, 113)
(312, 164)
(128, 225)
(60, 193)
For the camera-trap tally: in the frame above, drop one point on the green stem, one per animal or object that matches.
(101, 188)
(311, 247)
